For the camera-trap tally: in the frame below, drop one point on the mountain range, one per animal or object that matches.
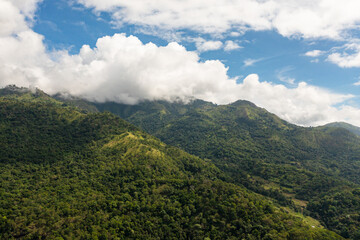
(314, 170)
(72, 169)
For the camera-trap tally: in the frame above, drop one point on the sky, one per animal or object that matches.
(297, 59)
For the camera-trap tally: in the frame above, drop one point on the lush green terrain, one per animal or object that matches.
(351, 128)
(315, 170)
(66, 174)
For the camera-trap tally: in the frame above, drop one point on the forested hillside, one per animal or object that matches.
(66, 174)
(351, 128)
(315, 170)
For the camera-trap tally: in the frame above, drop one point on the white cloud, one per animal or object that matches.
(320, 19)
(231, 45)
(286, 79)
(203, 45)
(250, 62)
(282, 75)
(350, 57)
(22, 52)
(26, 7)
(314, 53)
(11, 19)
(123, 69)
(235, 34)
(308, 19)
(357, 83)
(304, 104)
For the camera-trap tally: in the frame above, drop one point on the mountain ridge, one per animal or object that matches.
(347, 126)
(285, 161)
(67, 174)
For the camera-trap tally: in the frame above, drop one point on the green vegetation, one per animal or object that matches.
(351, 128)
(66, 174)
(306, 169)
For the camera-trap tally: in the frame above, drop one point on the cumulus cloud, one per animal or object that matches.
(349, 57)
(231, 45)
(314, 53)
(11, 19)
(308, 19)
(123, 69)
(321, 19)
(305, 104)
(203, 45)
(22, 52)
(27, 8)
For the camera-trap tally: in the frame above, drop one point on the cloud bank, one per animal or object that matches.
(123, 69)
(308, 19)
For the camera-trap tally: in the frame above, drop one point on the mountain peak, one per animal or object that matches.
(15, 90)
(243, 103)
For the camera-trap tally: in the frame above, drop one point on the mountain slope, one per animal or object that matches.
(69, 175)
(243, 132)
(262, 152)
(351, 128)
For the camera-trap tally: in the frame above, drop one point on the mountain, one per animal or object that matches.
(347, 126)
(70, 174)
(315, 170)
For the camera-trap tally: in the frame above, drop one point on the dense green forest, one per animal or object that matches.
(312, 170)
(69, 174)
(351, 128)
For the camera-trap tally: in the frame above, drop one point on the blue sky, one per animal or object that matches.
(298, 59)
(69, 26)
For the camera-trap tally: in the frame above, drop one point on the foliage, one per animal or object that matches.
(258, 150)
(349, 127)
(65, 174)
